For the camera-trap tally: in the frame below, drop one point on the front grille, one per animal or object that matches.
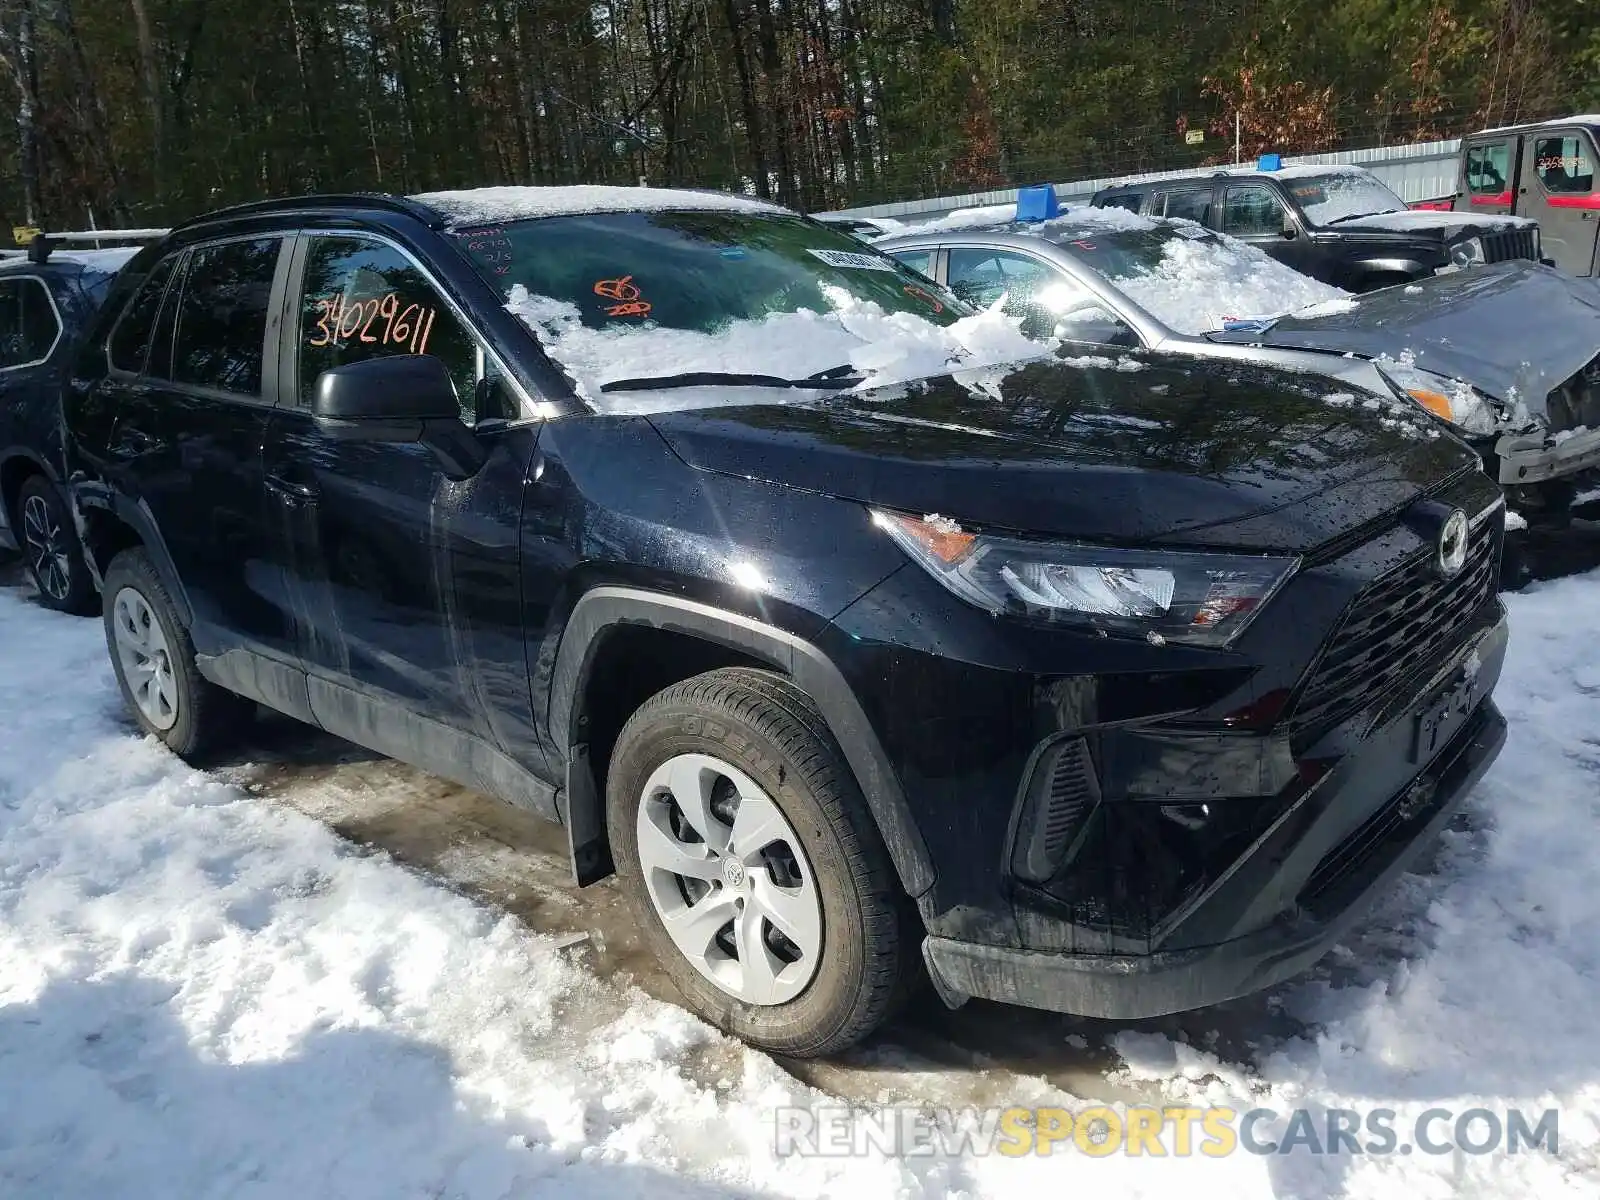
(1394, 627)
(1508, 244)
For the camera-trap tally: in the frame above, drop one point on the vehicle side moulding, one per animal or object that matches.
(398, 733)
(802, 662)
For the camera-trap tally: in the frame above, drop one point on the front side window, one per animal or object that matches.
(980, 277)
(363, 299)
(28, 324)
(221, 325)
(1251, 212)
(1564, 165)
(134, 330)
(1191, 205)
(1489, 170)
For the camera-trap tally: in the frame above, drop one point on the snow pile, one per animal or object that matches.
(885, 347)
(487, 206)
(1200, 284)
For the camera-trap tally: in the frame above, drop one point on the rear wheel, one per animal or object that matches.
(752, 865)
(155, 662)
(51, 550)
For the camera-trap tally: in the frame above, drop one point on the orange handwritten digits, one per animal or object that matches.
(927, 297)
(339, 323)
(323, 308)
(627, 293)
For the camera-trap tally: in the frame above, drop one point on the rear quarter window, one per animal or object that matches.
(28, 323)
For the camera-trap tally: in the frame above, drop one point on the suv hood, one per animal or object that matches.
(1514, 329)
(1446, 226)
(1204, 455)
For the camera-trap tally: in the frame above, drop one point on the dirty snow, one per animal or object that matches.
(484, 206)
(885, 347)
(204, 995)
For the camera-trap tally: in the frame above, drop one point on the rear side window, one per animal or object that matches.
(1489, 169)
(1247, 211)
(1191, 205)
(28, 324)
(130, 339)
(364, 299)
(1128, 200)
(1564, 165)
(920, 261)
(222, 316)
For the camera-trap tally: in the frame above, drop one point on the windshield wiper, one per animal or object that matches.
(1357, 216)
(833, 379)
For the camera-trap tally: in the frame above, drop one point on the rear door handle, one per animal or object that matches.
(292, 489)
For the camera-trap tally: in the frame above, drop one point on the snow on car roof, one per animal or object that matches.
(1580, 119)
(107, 262)
(993, 216)
(483, 206)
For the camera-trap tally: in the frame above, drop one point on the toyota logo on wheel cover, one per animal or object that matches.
(1453, 543)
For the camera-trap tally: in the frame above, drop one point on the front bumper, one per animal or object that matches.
(1535, 458)
(1301, 887)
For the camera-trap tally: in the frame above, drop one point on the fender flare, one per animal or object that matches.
(810, 670)
(137, 516)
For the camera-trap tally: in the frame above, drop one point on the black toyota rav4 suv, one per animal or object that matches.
(1110, 691)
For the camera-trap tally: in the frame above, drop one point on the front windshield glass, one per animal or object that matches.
(1337, 196)
(628, 295)
(1194, 281)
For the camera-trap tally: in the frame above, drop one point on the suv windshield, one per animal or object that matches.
(1341, 195)
(1191, 280)
(630, 294)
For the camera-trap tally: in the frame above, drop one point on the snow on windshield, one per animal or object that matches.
(884, 347)
(1200, 284)
(484, 206)
(1200, 280)
(1340, 195)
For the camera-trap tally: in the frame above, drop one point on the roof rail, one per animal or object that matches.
(38, 244)
(385, 200)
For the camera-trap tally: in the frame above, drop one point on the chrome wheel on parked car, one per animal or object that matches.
(146, 659)
(729, 879)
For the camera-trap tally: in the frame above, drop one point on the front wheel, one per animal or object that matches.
(752, 865)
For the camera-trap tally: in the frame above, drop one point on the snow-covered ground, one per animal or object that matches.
(204, 993)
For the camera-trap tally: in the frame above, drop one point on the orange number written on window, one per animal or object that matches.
(380, 321)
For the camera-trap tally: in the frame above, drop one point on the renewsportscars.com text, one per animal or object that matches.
(1099, 1131)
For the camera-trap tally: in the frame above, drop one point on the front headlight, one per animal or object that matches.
(1461, 404)
(1202, 599)
(1466, 253)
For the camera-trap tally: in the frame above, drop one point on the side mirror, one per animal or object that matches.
(400, 398)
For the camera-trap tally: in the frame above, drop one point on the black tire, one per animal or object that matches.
(770, 730)
(207, 715)
(51, 550)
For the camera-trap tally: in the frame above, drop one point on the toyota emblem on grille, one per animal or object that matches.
(1453, 544)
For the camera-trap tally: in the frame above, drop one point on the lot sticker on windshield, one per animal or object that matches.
(859, 262)
(626, 293)
(339, 320)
